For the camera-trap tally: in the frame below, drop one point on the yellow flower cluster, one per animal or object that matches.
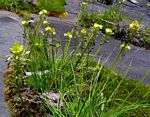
(45, 22)
(83, 4)
(78, 54)
(135, 25)
(97, 26)
(68, 35)
(43, 12)
(24, 23)
(83, 31)
(108, 31)
(16, 49)
(49, 29)
(57, 45)
(126, 47)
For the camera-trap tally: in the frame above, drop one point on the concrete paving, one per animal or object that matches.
(10, 31)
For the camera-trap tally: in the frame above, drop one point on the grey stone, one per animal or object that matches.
(10, 31)
(33, 2)
(54, 99)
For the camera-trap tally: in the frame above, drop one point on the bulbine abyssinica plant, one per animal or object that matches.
(86, 87)
(18, 60)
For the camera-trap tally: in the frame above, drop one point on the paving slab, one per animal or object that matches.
(10, 31)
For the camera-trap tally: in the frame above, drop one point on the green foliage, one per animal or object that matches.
(50, 5)
(145, 41)
(107, 18)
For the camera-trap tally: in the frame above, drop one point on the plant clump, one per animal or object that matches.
(45, 82)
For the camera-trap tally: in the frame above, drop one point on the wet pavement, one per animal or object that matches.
(137, 58)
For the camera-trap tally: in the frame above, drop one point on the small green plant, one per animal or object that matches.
(107, 18)
(19, 60)
(145, 42)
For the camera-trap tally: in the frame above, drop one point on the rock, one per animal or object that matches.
(10, 31)
(54, 99)
(39, 73)
(33, 2)
(108, 2)
(134, 1)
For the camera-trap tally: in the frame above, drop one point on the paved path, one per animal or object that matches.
(11, 30)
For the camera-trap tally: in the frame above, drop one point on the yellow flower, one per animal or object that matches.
(108, 31)
(45, 22)
(135, 25)
(57, 45)
(78, 54)
(48, 29)
(83, 31)
(16, 49)
(53, 31)
(148, 4)
(98, 26)
(126, 47)
(38, 44)
(43, 13)
(68, 35)
(123, 1)
(83, 4)
(24, 23)
(122, 45)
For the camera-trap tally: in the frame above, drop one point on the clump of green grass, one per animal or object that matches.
(86, 87)
(52, 5)
(107, 18)
(56, 6)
